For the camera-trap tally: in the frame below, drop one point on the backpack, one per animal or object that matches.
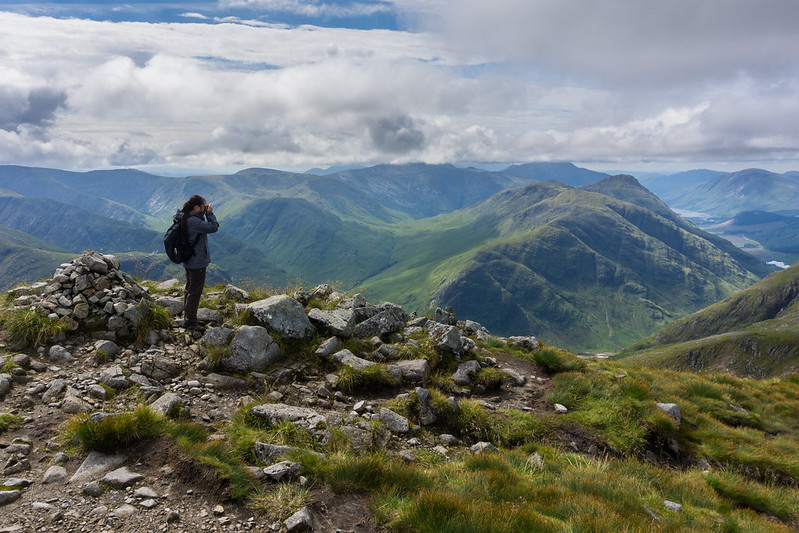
(177, 246)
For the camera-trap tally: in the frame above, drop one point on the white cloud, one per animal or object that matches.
(520, 81)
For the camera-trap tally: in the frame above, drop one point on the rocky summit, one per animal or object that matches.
(282, 360)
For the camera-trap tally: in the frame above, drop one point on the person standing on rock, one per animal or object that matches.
(197, 220)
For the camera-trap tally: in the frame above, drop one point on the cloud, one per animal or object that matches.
(314, 8)
(396, 135)
(34, 108)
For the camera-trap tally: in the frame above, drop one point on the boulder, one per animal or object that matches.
(671, 409)
(416, 371)
(389, 318)
(95, 465)
(234, 293)
(110, 348)
(209, 315)
(346, 357)
(396, 423)
(59, 354)
(299, 416)
(173, 305)
(282, 470)
(302, 520)
(340, 322)
(447, 339)
(466, 370)
(426, 414)
(114, 378)
(251, 350)
(168, 404)
(283, 314)
(329, 347)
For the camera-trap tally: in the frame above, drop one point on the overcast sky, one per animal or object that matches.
(295, 84)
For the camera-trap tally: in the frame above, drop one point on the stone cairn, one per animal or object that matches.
(90, 290)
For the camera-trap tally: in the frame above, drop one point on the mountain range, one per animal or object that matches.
(592, 266)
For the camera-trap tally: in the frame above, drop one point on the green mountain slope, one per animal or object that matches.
(574, 266)
(566, 173)
(21, 263)
(745, 190)
(754, 332)
(771, 230)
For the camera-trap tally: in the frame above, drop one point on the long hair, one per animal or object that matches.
(194, 201)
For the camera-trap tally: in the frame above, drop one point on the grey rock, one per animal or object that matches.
(9, 496)
(160, 368)
(340, 322)
(396, 423)
(484, 447)
(168, 284)
(360, 440)
(235, 293)
(302, 520)
(168, 404)
(285, 315)
(528, 343)
(124, 511)
(466, 370)
(282, 470)
(5, 385)
(148, 503)
(219, 336)
(449, 440)
(121, 478)
(329, 347)
(426, 414)
(95, 465)
(209, 315)
(110, 348)
(414, 371)
(173, 305)
(561, 409)
(57, 386)
(54, 474)
(97, 391)
(93, 489)
(16, 482)
(299, 416)
(251, 350)
(222, 382)
(673, 506)
(389, 318)
(145, 493)
(671, 409)
(346, 357)
(93, 261)
(73, 404)
(447, 339)
(517, 377)
(267, 453)
(114, 378)
(59, 354)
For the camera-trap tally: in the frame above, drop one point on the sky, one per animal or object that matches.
(218, 86)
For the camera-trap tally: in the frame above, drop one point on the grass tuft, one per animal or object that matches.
(278, 503)
(30, 326)
(114, 432)
(372, 378)
(9, 421)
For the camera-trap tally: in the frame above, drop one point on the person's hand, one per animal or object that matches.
(210, 208)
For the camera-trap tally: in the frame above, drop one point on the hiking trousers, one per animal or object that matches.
(195, 281)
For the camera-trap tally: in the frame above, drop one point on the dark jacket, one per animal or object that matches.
(199, 225)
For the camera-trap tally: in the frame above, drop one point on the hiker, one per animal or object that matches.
(197, 220)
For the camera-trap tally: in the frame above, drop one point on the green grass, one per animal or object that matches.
(372, 378)
(556, 360)
(277, 503)
(9, 421)
(115, 432)
(30, 326)
(155, 317)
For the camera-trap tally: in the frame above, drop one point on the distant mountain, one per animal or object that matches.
(772, 231)
(25, 258)
(566, 173)
(746, 190)
(663, 184)
(576, 266)
(754, 332)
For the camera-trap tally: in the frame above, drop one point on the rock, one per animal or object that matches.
(173, 305)
(218, 336)
(415, 371)
(110, 348)
(209, 315)
(168, 284)
(466, 370)
(145, 493)
(93, 489)
(528, 343)
(360, 440)
(673, 506)
(396, 423)
(93, 261)
(234, 293)
(515, 376)
(121, 478)
(340, 322)
(221, 382)
(16, 482)
(251, 350)
(302, 520)
(447, 339)
(97, 391)
(282, 470)
(484, 447)
(389, 318)
(267, 453)
(60, 355)
(671, 409)
(5, 385)
(329, 347)
(300, 416)
(160, 368)
(346, 357)
(73, 404)
(445, 317)
(114, 378)
(168, 404)
(426, 414)
(54, 474)
(449, 440)
(283, 314)
(560, 409)
(9, 496)
(95, 465)
(124, 511)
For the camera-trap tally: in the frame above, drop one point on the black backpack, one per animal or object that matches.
(177, 246)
